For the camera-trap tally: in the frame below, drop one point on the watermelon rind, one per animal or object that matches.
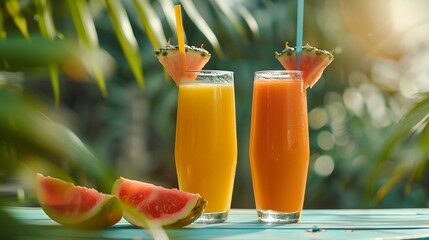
(196, 212)
(105, 213)
(188, 214)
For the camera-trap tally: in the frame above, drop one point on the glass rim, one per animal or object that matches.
(279, 75)
(208, 76)
(279, 71)
(210, 71)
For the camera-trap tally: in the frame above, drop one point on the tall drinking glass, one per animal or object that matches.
(279, 145)
(206, 140)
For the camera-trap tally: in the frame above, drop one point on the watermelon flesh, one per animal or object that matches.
(166, 207)
(313, 62)
(76, 206)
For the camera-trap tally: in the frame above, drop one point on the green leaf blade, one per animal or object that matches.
(418, 113)
(232, 17)
(55, 81)
(14, 9)
(126, 38)
(250, 20)
(397, 175)
(2, 30)
(33, 131)
(47, 29)
(84, 23)
(167, 7)
(22, 54)
(424, 137)
(44, 18)
(202, 25)
(151, 23)
(85, 28)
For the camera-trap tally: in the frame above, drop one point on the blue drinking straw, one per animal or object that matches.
(299, 29)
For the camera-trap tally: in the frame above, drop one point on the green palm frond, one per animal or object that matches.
(85, 29)
(14, 9)
(30, 129)
(250, 20)
(2, 31)
(418, 113)
(22, 55)
(415, 117)
(202, 25)
(424, 137)
(47, 29)
(395, 177)
(151, 20)
(232, 17)
(423, 163)
(44, 18)
(168, 10)
(126, 37)
(151, 23)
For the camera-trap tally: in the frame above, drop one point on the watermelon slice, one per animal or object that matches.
(166, 207)
(196, 59)
(313, 62)
(76, 206)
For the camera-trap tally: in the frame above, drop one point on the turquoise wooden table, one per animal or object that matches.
(243, 224)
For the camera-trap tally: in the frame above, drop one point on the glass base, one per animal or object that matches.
(216, 217)
(270, 216)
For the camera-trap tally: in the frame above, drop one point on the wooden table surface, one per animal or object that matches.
(243, 224)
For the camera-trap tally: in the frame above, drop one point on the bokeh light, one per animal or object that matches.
(324, 165)
(326, 140)
(317, 118)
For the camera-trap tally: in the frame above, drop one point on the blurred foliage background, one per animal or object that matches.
(84, 98)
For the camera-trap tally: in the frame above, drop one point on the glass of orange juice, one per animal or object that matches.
(279, 145)
(206, 140)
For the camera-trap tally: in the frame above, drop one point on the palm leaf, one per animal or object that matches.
(29, 129)
(397, 175)
(416, 172)
(249, 19)
(202, 25)
(54, 73)
(2, 31)
(126, 38)
(85, 29)
(168, 9)
(22, 54)
(44, 18)
(14, 9)
(153, 228)
(423, 160)
(47, 29)
(232, 17)
(424, 137)
(418, 113)
(151, 23)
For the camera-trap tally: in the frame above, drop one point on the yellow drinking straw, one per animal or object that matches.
(180, 38)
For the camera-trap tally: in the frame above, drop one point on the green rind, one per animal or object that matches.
(196, 212)
(109, 214)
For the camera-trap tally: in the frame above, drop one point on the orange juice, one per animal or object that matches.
(206, 142)
(279, 145)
